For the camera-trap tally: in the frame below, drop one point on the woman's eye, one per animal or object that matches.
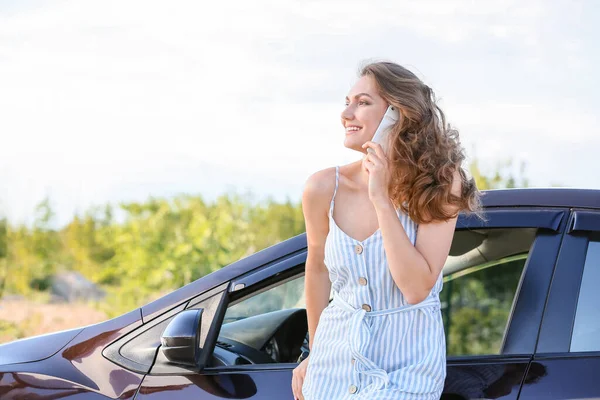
(360, 103)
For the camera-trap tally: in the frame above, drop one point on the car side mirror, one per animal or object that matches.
(180, 341)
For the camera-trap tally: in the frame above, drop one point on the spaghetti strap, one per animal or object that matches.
(337, 178)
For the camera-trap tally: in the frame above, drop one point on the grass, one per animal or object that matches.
(20, 318)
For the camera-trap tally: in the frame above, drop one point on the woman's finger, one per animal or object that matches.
(367, 165)
(374, 160)
(375, 147)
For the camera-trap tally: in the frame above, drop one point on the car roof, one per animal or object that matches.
(542, 197)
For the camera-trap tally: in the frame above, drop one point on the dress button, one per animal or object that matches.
(362, 281)
(353, 389)
(353, 361)
(358, 249)
(366, 307)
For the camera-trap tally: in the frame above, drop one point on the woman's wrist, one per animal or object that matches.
(383, 205)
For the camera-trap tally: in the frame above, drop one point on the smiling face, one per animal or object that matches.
(363, 113)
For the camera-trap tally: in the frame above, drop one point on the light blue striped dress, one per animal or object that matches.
(370, 343)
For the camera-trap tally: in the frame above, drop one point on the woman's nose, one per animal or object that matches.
(347, 114)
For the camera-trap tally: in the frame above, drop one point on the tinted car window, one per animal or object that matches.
(480, 288)
(586, 332)
(286, 295)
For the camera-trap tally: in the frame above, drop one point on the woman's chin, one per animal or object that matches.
(352, 145)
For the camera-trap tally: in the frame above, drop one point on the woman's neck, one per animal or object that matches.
(359, 175)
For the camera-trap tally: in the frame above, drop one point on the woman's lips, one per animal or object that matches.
(353, 130)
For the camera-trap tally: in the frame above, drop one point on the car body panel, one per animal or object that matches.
(78, 370)
(560, 377)
(273, 384)
(542, 197)
(36, 348)
(495, 378)
(562, 373)
(525, 319)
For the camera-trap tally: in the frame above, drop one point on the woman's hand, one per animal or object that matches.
(298, 379)
(376, 164)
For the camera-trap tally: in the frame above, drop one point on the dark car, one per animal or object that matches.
(521, 308)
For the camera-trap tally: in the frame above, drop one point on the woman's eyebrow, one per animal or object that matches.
(360, 94)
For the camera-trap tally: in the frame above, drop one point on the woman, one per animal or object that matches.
(382, 336)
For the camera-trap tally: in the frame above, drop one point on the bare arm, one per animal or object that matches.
(316, 198)
(415, 269)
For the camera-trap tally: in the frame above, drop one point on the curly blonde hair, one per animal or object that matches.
(424, 152)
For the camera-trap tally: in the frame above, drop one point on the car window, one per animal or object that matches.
(586, 331)
(289, 294)
(480, 283)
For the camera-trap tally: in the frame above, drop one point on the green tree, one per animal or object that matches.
(503, 175)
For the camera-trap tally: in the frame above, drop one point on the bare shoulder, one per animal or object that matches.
(319, 188)
(316, 197)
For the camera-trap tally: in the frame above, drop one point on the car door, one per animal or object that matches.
(278, 286)
(492, 304)
(497, 278)
(568, 353)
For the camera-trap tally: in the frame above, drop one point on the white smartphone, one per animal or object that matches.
(390, 117)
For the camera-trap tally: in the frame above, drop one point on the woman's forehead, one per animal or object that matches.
(365, 84)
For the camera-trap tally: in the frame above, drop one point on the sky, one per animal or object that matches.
(109, 101)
